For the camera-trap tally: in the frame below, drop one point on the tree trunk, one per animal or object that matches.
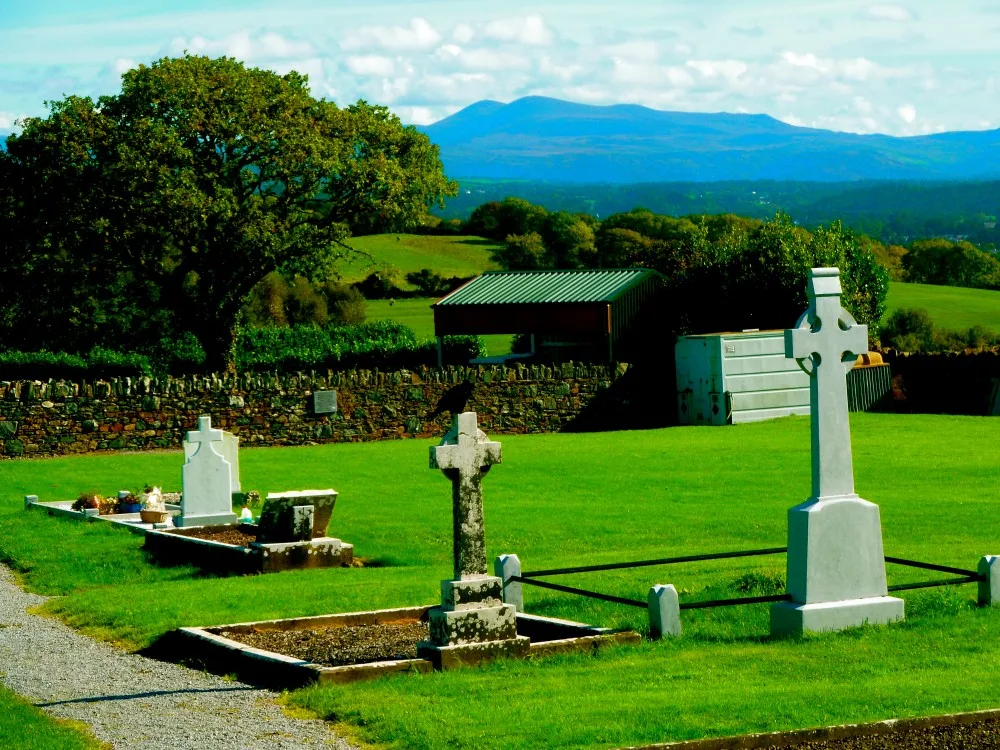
(218, 339)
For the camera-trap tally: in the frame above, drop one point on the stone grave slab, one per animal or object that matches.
(281, 522)
(836, 568)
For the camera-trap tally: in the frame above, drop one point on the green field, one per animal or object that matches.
(573, 499)
(417, 314)
(952, 307)
(448, 256)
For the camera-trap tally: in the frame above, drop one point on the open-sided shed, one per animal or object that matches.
(579, 309)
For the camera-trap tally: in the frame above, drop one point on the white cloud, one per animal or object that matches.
(419, 35)
(729, 70)
(242, 46)
(529, 30)
(908, 112)
(123, 65)
(371, 65)
(418, 115)
(853, 69)
(463, 33)
(489, 59)
(8, 120)
(887, 12)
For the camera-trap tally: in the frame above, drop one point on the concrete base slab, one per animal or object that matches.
(789, 618)
(470, 654)
(471, 626)
(215, 519)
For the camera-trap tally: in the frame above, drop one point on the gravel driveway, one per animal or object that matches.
(131, 701)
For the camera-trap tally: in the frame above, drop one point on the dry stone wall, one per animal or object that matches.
(58, 417)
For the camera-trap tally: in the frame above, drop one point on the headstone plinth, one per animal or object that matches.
(836, 566)
(472, 624)
(207, 479)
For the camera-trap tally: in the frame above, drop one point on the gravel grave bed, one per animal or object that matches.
(979, 735)
(236, 536)
(339, 646)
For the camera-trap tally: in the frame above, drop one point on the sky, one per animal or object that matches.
(902, 68)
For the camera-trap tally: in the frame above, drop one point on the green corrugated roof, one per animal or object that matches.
(533, 287)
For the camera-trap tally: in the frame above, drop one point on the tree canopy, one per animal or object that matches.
(151, 214)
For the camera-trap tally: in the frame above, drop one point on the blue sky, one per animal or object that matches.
(902, 68)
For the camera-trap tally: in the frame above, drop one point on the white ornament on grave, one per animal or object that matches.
(229, 446)
(206, 498)
(836, 566)
(473, 622)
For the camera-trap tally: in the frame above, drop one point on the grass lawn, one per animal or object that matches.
(447, 256)
(949, 306)
(417, 314)
(27, 728)
(575, 499)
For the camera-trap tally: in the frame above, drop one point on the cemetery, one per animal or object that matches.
(744, 569)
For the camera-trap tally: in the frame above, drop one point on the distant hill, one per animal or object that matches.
(537, 138)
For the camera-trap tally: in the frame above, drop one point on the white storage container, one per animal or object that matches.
(728, 378)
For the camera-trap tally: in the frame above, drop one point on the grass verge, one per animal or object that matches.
(27, 728)
(575, 499)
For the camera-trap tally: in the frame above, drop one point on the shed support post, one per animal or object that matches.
(440, 351)
(533, 343)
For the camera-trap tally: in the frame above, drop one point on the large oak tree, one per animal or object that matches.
(153, 212)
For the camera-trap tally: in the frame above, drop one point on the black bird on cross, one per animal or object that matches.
(454, 399)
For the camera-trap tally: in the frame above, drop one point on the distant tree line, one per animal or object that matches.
(722, 272)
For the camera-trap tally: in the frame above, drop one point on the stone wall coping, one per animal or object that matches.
(299, 493)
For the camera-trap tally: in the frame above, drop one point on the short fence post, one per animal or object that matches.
(664, 611)
(989, 585)
(506, 567)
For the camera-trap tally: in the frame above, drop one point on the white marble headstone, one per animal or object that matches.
(229, 447)
(206, 477)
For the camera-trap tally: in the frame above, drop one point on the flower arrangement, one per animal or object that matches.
(154, 510)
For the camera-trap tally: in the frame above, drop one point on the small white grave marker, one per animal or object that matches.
(836, 567)
(206, 477)
(228, 445)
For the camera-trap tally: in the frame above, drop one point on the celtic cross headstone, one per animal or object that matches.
(836, 567)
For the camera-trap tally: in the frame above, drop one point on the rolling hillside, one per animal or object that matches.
(951, 307)
(447, 256)
(537, 138)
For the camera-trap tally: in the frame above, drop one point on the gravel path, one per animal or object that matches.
(131, 701)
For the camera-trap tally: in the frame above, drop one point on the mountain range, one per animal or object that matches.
(539, 138)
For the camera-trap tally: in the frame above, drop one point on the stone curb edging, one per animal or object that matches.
(798, 737)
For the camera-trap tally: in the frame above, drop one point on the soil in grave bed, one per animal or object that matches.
(339, 646)
(238, 536)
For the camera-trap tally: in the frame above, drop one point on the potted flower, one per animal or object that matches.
(154, 510)
(87, 500)
(128, 502)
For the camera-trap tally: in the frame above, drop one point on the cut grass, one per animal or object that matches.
(448, 256)
(418, 315)
(952, 307)
(27, 728)
(576, 499)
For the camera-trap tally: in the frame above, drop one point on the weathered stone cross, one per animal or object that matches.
(465, 455)
(826, 342)
(204, 435)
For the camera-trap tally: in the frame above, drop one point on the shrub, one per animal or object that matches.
(912, 330)
(383, 344)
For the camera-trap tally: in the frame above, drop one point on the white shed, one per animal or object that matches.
(728, 378)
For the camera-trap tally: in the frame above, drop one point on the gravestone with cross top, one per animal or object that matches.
(206, 477)
(472, 623)
(836, 567)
